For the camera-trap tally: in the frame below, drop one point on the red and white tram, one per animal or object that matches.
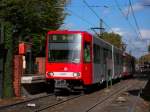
(128, 65)
(76, 58)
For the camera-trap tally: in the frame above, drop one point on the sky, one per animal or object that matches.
(117, 16)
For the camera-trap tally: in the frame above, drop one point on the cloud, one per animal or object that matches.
(118, 31)
(145, 2)
(106, 12)
(137, 47)
(138, 6)
(145, 33)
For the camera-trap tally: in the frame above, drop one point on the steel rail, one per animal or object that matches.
(109, 96)
(60, 102)
(23, 102)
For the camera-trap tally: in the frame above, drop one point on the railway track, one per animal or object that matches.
(36, 103)
(50, 103)
(60, 102)
(101, 101)
(70, 99)
(22, 103)
(108, 100)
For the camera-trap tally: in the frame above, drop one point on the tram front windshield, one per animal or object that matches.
(64, 48)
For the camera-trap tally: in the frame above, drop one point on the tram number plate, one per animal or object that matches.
(60, 83)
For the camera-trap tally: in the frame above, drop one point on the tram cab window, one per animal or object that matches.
(87, 57)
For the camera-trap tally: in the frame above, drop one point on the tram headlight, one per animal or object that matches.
(50, 74)
(76, 74)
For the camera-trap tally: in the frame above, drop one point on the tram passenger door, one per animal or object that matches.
(87, 59)
(105, 63)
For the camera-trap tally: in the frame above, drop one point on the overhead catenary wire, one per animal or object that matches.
(91, 9)
(81, 18)
(119, 8)
(126, 18)
(84, 20)
(96, 14)
(136, 23)
(134, 29)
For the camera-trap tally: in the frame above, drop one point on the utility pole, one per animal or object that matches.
(101, 29)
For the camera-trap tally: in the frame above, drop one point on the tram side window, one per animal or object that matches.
(97, 56)
(117, 59)
(105, 55)
(87, 52)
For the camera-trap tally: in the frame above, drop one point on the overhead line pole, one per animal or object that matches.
(97, 15)
(101, 29)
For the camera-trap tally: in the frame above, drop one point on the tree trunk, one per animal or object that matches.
(8, 71)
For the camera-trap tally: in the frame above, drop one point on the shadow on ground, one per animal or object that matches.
(32, 89)
(145, 93)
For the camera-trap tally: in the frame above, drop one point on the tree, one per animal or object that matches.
(26, 19)
(113, 38)
(33, 16)
(8, 72)
(144, 58)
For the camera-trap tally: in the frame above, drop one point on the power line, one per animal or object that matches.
(85, 20)
(136, 23)
(97, 14)
(91, 9)
(119, 8)
(126, 18)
